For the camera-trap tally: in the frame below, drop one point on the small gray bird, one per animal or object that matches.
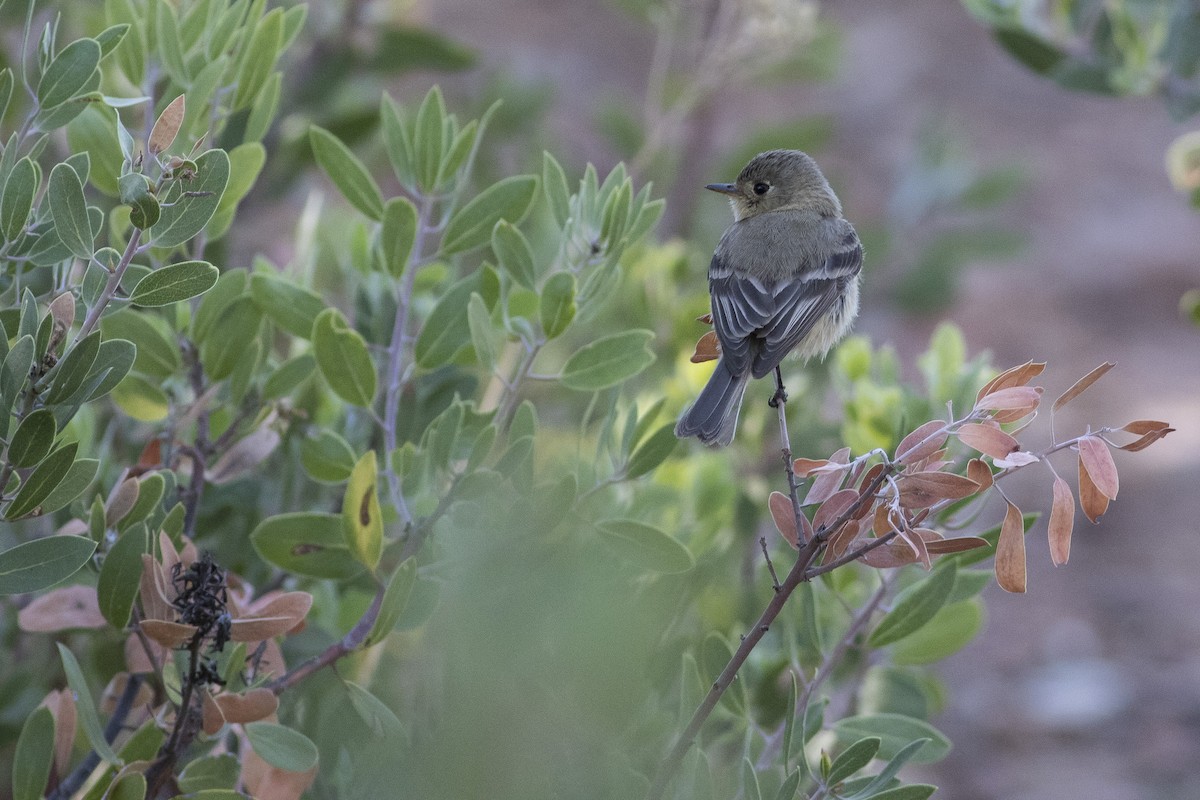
(784, 278)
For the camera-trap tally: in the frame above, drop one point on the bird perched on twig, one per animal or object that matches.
(784, 278)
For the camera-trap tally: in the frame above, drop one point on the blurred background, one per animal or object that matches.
(1039, 219)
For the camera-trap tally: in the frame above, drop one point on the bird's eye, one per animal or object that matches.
(761, 188)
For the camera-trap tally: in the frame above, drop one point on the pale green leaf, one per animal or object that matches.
(347, 172)
(343, 358)
(608, 361)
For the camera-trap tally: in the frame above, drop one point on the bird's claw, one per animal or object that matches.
(780, 396)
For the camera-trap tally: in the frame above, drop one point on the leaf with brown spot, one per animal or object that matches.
(1062, 520)
(829, 479)
(1098, 461)
(959, 544)
(784, 516)
(1093, 501)
(803, 467)
(923, 489)
(708, 348)
(988, 439)
(250, 706)
(833, 508)
(1081, 385)
(981, 473)
(166, 127)
(1013, 376)
(1010, 552)
(922, 442)
(62, 609)
(169, 634)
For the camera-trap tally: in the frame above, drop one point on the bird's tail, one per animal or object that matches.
(713, 417)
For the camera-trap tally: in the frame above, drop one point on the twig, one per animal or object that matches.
(344, 646)
(762, 542)
(110, 288)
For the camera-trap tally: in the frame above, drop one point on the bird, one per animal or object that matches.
(784, 279)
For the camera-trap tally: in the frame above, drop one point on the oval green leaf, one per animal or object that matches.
(75, 369)
(306, 543)
(397, 234)
(88, 718)
(33, 438)
(608, 361)
(951, 629)
(41, 563)
(34, 755)
(915, 606)
(895, 731)
(68, 73)
(289, 305)
(395, 598)
(175, 282)
(348, 174)
(645, 545)
(41, 482)
(68, 207)
(343, 358)
(182, 217)
(282, 747)
(557, 304)
(17, 199)
(327, 457)
(120, 574)
(471, 226)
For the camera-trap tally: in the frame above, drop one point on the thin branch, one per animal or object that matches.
(344, 646)
(110, 288)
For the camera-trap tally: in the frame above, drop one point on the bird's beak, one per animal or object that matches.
(723, 188)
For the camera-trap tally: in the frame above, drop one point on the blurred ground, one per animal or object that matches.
(1087, 688)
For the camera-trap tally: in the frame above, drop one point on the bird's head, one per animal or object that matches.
(780, 180)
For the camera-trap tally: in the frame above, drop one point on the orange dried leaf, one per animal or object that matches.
(980, 473)
(1098, 461)
(923, 489)
(265, 782)
(214, 717)
(120, 501)
(250, 706)
(803, 467)
(784, 516)
(1145, 441)
(150, 457)
(1010, 552)
(1093, 502)
(1081, 385)
(166, 128)
(958, 544)
(155, 604)
(169, 634)
(705, 318)
(1013, 376)
(62, 609)
(828, 479)
(1142, 426)
(916, 543)
(1014, 398)
(988, 439)
(882, 521)
(708, 348)
(1062, 520)
(922, 442)
(833, 508)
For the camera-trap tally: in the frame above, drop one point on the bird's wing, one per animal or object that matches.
(758, 321)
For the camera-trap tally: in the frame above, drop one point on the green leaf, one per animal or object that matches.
(245, 163)
(225, 346)
(395, 598)
(41, 482)
(151, 489)
(174, 282)
(68, 73)
(281, 747)
(558, 304)
(134, 191)
(17, 199)
(120, 574)
(362, 517)
(34, 755)
(787, 790)
(16, 370)
(343, 358)
(115, 358)
(895, 763)
(1032, 51)
(427, 139)
(447, 329)
(184, 217)
(86, 709)
(645, 545)
(288, 375)
(69, 210)
(110, 37)
(157, 354)
(948, 632)
(33, 438)
(913, 791)
(471, 226)
(915, 606)
(895, 731)
(483, 338)
(41, 563)
(210, 772)
(397, 141)
(382, 721)
(608, 361)
(652, 452)
(306, 543)
(79, 477)
(228, 288)
(75, 369)
(261, 53)
(290, 306)
(327, 457)
(514, 253)
(348, 174)
(141, 399)
(852, 759)
(554, 184)
(6, 87)
(397, 234)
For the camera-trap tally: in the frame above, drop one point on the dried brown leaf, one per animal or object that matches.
(923, 489)
(988, 439)
(120, 501)
(166, 127)
(61, 703)
(276, 617)
(1081, 385)
(981, 473)
(958, 544)
(1062, 520)
(62, 311)
(708, 348)
(922, 442)
(833, 508)
(840, 541)
(1010, 552)
(137, 660)
(1092, 501)
(705, 318)
(1142, 442)
(242, 458)
(784, 516)
(889, 556)
(214, 717)
(169, 634)
(1015, 398)
(1098, 461)
(152, 592)
(829, 479)
(1149, 431)
(62, 609)
(1013, 376)
(266, 782)
(250, 706)
(116, 687)
(869, 476)
(1020, 458)
(803, 467)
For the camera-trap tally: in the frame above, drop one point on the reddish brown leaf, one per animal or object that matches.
(784, 516)
(828, 480)
(922, 442)
(116, 687)
(1093, 502)
(958, 544)
(1062, 520)
(889, 556)
(168, 634)
(840, 541)
(266, 782)
(137, 660)
(250, 706)
(1010, 552)
(705, 318)
(214, 718)
(150, 457)
(155, 604)
(1081, 385)
(1014, 398)
(1141, 426)
(980, 472)
(62, 609)
(274, 618)
(1014, 376)
(1098, 461)
(166, 128)
(916, 543)
(62, 311)
(708, 348)
(923, 489)
(882, 522)
(61, 703)
(1149, 430)
(120, 501)
(1145, 441)
(833, 508)
(988, 439)
(869, 477)
(803, 467)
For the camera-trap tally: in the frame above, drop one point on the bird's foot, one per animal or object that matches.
(780, 396)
